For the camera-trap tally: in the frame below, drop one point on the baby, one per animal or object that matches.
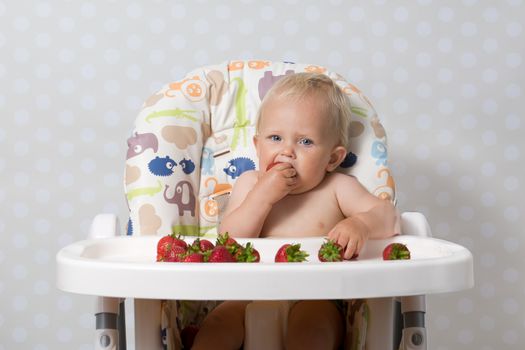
(301, 138)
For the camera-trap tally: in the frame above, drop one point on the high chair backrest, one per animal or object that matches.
(193, 138)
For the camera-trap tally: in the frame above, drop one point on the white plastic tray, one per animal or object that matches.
(125, 267)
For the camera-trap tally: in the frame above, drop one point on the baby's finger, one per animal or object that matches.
(343, 240)
(351, 249)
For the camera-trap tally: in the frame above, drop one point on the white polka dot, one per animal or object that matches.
(490, 14)
(64, 335)
(490, 106)
(335, 58)
(20, 210)
(19, 240)
(87, 195)
(21, 24)
(511, 244)
(511, 153)
(445, 14)
(421, 183)
(335, 28)
(88, 41)
(355, 44)
(487, 323)
(423, 59)
(489, 138)
(400, 44)
(444, 168)
(379, 59)
(42, 226)
(511, 183)
(19, 334)
(398, 137)
(66, 56)
(134, 11)
(66, 24)
(513, 90)
(422, 152)
(442, 322)
(135, 42)
(65, 210)
(379, 90)
(469, 121)
(489, 75)
(401, 14)
(445, 75)
(201, 57)
(312, 13)
(223, 42)
(488, 199)
(43, 9)
(510, 337)
(157, 26)
(424, 90)
(112, 180)
(356, 14)
(19, 303)
(510, 306)
(488, 169)
(466, 183)
(223, 12)
(41, 287)
(88, 103)
(465, 336)
(42, 195)
(66, 179)
(468, 60)
(487, 290)
(466, 213)
(112, 25)
(400, 106)
(467, 152)
(88, 10)
(88, 71)
(465, 305)
(245, 26)
(514, 29)
(469, 29)
(490, 45)
(400, 75)
(379, 28)
(267, 13)
(41, 256)
(201, 26)
(41, 321)
(178, 11)
(443, 199)
(513, 60)
(423, 29)
(511, 214)
(511, 275)
(291, 27)
(487, 260)
(424, 121)
(178, 42)
(445, 137)
(19, 272)
(469, 90)
(488, 230)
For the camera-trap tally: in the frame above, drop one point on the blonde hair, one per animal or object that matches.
(300, 85)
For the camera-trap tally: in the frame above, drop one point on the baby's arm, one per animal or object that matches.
(252, 198)
(367, 217)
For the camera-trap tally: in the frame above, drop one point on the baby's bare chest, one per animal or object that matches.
(310, 214)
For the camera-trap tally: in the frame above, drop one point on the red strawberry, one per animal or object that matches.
(227, 241)
(201, 245)
(220, 254)
(396, 251)
(247, 254)
(272, 165)
(330, 251)
(164, 245)
(176, 254)
(291, 253)
(194, 257)
(177, 241)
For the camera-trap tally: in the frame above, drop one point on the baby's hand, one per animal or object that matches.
(351, 234)
(276, 182)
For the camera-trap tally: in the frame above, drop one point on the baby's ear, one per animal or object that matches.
(255, 139)
(336, 157)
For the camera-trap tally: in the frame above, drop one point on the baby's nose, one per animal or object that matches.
(288, 151)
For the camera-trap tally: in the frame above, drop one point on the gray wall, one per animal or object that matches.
(445, 76)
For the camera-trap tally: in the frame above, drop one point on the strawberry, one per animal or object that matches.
(188, 334)
(330, 251)
(247, 254)
(228, 242)
(201, 245)
(176, 254)
(164, 245)
(291, 253)
(220, 254)
(193, 257)
(396, 251)
(272, 165)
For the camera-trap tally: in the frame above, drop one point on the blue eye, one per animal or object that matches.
(306, 142)
(275, 138)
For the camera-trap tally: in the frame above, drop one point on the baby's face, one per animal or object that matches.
(298, 133)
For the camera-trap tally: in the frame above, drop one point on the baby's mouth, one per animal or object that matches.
(271, 165)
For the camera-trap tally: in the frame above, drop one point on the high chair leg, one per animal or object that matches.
(147, 324)
(106, 315)
(414, 332)
(380, 333)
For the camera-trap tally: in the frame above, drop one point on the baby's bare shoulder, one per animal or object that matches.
(338, 179)
(248, 178)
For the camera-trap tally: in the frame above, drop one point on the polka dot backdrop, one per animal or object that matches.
(446, 78)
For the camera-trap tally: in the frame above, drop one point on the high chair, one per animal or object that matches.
(191, 141)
